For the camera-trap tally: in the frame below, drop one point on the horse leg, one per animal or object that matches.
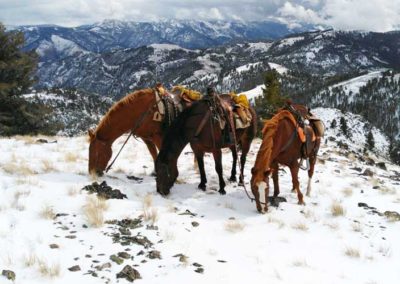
(294, 170)
(218, 167)
(245, 151)
(275, 178)
(234, 162)
(153, 151)
(200, 161)
(313, 159)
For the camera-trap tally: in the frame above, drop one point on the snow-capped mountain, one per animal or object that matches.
(114, 34)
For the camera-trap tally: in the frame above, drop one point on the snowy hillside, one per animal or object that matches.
(51, 231)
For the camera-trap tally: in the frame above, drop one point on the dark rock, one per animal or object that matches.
(154, 254)
(85, 226)
(124, 231)
(187, 212)
(129, 273)
(197, 264)
(137, 179)
(74, 268)
(105, 191)
(357, 169)
(54, 246)
(71, 237)
(10, 275)
(61, 214)
(222, 261)
(368, 172)
(381, 165)
(140, 252)
(199, 270)
(124, 255)
(88, 256)
(152, 227)
(369, 161)
(195, 224)
(116, 259)
(41, 140)
(392, 215)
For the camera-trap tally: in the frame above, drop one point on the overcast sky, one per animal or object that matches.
(375, 15)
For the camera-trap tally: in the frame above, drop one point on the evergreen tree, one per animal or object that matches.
(271, 100)
(394, 151)
(17, 69)
(333, 123)
(344, 127)
(370, 141)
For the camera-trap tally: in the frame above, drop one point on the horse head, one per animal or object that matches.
(99, 154)
(166, 176)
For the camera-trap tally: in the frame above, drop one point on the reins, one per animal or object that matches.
(136, 126)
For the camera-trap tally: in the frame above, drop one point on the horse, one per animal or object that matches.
(197, 127)
(281, 144)
(134, 111)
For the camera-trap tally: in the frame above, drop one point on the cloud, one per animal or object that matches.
(376, 15)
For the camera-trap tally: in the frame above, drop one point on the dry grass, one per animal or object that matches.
(337, 209)
(20, 168)
(347, 192)
(48, 166)
(352, 252)
(332, 225)
(73, 190)
(229, 205)
(49, 270)
(26, 139)
(17, 199)
(94, 211)
(357, 227)
(47, 212)
(30, 260)
(300, 263)
(277, 221)
(234, 226)
(385, 250)
(300, 226)
(150, 213)
(71, 157)
(386, 190)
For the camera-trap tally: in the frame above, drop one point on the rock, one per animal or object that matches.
(105, 191)
(41, 140)
(221, 260)
(10, 275)
(197, 264)
(392, 215)
(74, 268)
(381, 165)
(369, 161)
(357, 169)
(54, 246)
(71, 237)
(154, 254)
(152, 227)
(129, 273)
(199, 270)
(124, 255)
(116, 259)
(103, 266)
(368, 172)
(195, 224)
(124, 231)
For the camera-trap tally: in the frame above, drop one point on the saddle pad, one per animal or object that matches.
(239, 123)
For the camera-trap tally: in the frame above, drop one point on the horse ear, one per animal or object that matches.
(91, 134)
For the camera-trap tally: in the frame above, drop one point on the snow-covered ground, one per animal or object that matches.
(45, 221)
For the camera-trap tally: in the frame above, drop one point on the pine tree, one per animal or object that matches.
(271, 100)
(333, 123)
(370, 141)
(17, 69)
(343, 126)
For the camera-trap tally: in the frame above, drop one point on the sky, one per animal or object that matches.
(370, 15)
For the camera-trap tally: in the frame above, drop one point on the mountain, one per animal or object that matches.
(112, 34)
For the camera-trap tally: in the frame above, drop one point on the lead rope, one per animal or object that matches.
(132, 131)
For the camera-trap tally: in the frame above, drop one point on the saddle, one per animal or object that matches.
(187, 96)
(309, 127)
(167, 109)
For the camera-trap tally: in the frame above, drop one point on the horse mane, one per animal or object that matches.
(127, 100)
(269, 132)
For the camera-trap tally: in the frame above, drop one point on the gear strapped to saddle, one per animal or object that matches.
(241, 110)
(309, 127)
(167, 110)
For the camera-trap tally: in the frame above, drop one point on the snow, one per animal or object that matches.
(65, 46)
(257, 91)
(259, 46)
(290, 41)
(279, 68)
(289, 244)
(247, 67)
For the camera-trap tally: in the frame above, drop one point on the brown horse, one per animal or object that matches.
(281, 145)
(135, 110)
(186, 129)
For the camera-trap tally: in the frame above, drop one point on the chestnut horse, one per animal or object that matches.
(206, 138)
(281, 144)
(135, 110)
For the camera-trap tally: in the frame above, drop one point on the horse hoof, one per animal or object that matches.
(232, 179)
(202, 187)
(301, 203)
(222, 191)
(240, 183)
(153, 174)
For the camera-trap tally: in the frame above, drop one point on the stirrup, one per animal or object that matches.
(307, 166)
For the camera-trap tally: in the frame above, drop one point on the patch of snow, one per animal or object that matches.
(279, 68)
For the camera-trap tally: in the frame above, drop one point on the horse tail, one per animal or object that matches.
(253, 125)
